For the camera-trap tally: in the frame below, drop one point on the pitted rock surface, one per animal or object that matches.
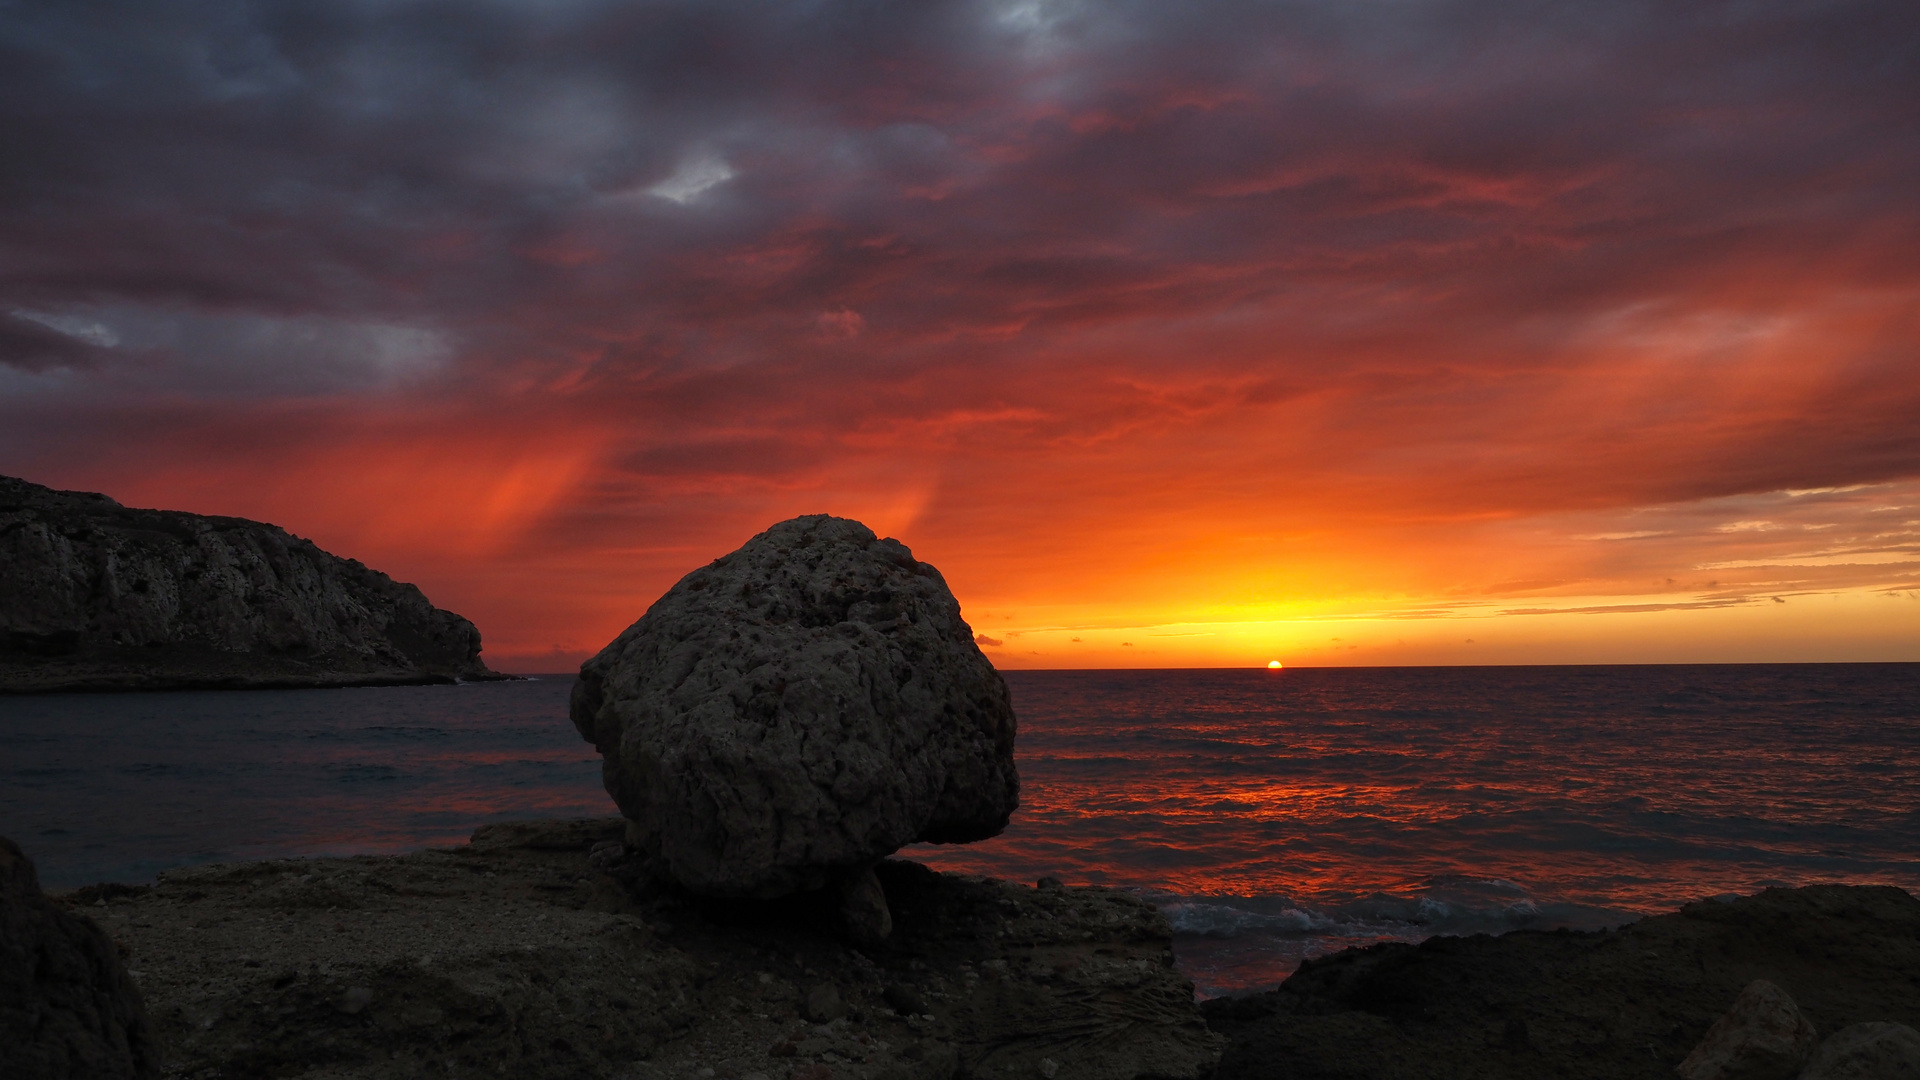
(99, 596)
(794, 711)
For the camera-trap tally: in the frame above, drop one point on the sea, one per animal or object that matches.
(1273, 816)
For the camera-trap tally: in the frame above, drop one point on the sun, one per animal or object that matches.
(1273, 665)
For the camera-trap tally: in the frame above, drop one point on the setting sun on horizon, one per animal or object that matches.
(1019, 538)
(1433, 347)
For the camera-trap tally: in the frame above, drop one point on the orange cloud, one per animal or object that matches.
(1185, 335)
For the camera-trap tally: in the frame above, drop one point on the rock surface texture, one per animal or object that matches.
(67, 1007)
(96, 596)
(1874, 1050)
(513, 956)
(795, 711)
(1761, 1037)
(1626, 1004)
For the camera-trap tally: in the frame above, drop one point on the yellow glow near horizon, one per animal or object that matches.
(1842, 625)
(1273, 665)
(1786, 576)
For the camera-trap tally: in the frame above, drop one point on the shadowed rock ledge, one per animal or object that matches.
(1602, 1005)
(522, 954)
(97, 596)
(515, 956)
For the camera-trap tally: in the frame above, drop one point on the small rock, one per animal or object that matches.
(607, 856)
(904, 999)
(1050, 883)
(1762, 1037)
(823, 1004)
(1048, 1067)
(863, 906)
(355, 1000)
(1870, 1051)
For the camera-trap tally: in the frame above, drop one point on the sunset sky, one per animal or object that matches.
(1201, 333)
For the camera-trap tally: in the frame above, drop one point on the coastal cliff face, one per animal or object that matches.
(97, 596)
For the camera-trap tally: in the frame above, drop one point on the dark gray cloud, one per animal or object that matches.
(347, 156)
(848, 199)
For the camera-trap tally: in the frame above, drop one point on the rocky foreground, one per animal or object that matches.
(99, 596)
(1609, 1005)
(530, 953)
(515, 956)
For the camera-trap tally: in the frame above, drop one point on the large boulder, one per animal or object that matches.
(795, 711)
(67, 1006)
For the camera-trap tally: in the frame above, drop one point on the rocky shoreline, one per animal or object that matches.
(516, 956)
(531, 952)
(1603, 1005)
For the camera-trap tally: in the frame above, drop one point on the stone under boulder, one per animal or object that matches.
(67, 1006)
(789, 714)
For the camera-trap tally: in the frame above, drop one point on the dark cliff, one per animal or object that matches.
(96, 596)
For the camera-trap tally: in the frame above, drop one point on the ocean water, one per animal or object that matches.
(118, 787)
(1273, 815)
(1277, 815)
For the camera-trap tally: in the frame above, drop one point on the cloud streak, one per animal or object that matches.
(1207, 307)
